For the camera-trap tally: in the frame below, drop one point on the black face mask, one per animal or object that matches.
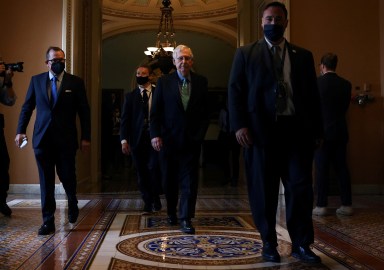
(273, 32)
(142, 80)
(58, 67)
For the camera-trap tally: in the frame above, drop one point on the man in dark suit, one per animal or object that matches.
(179, 121)
(275, 111)
(58, 97)
(134, 136)
(335, 96)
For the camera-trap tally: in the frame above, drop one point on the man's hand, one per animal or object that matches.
(157, 143)
(125, 148)
(8, 73)
(19, 139)
(243, 137)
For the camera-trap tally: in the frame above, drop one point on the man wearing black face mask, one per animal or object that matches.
(274, 109)
(58, 97)
(135, 140)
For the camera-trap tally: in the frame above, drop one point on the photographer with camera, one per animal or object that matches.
(8, 98)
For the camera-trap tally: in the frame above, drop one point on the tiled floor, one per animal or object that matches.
(112, 233)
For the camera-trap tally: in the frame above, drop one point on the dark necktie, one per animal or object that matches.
(145, 105)
(277, 61)
(184, 93)
(281, 89)
(53, 90)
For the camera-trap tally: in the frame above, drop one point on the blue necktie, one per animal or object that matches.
(54, 90)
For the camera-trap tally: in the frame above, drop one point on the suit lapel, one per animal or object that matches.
(176, 87)
(294, 65)
(194, 90)
(62, 85)
(44, 85)
(266, 56)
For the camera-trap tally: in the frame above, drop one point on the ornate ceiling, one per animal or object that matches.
(213, 17)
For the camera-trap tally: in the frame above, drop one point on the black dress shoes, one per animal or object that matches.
(186, 227)
(46, 228)
(305, 254)
(5, 210)
(73, 213)
(270, 253)
(172, 220)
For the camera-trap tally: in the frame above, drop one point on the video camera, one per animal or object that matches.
(15, 66)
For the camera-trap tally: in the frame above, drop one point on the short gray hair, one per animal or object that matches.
(180, 48)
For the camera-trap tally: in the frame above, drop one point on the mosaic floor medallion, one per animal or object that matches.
(207, 248)
(146, 243)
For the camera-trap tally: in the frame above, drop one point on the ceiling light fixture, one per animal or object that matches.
(165, 42)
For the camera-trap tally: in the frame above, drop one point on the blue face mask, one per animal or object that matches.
(273, 32)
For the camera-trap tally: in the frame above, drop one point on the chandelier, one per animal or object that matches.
(165, 42)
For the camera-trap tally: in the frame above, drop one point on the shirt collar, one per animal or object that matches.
(148, 88)
(59, 78)
(281, 44)
(181, 77)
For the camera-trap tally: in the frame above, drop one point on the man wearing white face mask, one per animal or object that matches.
(135, 140)
(58, 97)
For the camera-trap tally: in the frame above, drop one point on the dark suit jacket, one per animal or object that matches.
(170, 121)
(252, 95)
(335, 95)
(132, 118)
(61, 119)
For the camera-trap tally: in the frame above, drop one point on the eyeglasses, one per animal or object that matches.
(56, 60)
(185, 58)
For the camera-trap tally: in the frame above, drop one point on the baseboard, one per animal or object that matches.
(32, 189)
(367, 189)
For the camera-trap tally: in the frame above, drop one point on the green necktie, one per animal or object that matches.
(184, 93)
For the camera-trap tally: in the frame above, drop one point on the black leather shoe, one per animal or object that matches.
(172, 220)
(73, 213)
(46, 229)
(270, 253)
(5, 210)
(305, 254)
(186, 227)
